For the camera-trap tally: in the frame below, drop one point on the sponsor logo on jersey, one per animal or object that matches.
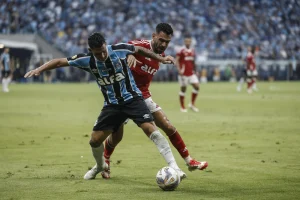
(111, 79)
(148, 69)
(189, 58)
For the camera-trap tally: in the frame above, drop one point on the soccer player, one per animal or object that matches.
(122, 97)
(143, 69)
(5, 68)
(185, 62)
(251, 70)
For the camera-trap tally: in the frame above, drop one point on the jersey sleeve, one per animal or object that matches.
(140, 43)
(123, 49)
(81, 61)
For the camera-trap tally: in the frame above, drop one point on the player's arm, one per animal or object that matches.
(52, 64)
(178, 65)
(194, 64)
(146, 52)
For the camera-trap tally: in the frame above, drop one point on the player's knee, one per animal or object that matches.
(148, 128)
(183, 89)
(195, 90)
(95, 143)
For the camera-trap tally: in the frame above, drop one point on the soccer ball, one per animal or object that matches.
(167, 179)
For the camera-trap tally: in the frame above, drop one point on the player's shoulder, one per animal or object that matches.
(79, 56)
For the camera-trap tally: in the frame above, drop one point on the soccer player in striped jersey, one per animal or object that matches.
(122, 97)
(5, 67)
(143, 70)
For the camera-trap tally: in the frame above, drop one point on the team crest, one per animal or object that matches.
(118, 65)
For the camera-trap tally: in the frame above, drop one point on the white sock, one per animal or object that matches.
(7, 83)
(164, 148)
(241, 82)
(4, 84)
(254, 86)
(98, 155)
(187, 159)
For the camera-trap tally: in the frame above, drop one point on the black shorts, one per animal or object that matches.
(5, 73)
(113, 116)
(244, 72)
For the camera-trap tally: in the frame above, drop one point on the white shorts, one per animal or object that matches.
(251, 73)
(185, 80)
(153, 107)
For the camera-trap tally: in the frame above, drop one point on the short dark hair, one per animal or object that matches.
(164, 27)
(96, 40)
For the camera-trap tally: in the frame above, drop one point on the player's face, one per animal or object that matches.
(160, 42)
(187, 42)
(100, 52)
(6, 50)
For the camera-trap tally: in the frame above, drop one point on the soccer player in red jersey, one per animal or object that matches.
(251, 70)
(143, 69)
(185, 62)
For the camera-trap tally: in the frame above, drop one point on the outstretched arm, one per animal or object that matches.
(52, 64)
(146, 52)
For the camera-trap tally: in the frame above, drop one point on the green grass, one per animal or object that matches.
(250, 141)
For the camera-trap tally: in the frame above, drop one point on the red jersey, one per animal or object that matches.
(186, 61)
(250, 61)
(145, 68)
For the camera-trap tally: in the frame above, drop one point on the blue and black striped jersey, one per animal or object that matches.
(113, 75)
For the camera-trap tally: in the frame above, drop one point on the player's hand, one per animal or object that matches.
(131, 61)
(168, 60)
(180, 73)
(31, 73)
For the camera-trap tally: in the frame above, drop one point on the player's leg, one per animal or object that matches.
(163, 123)
(9, 78)
(96, 143)
(249, 81)
(254, 78)
(242, 80)
(109, 119)
(195, 84)
(140, 114)
(110, 144)
(5, 81)
(112, 141)
(162, 145)
(183, 84)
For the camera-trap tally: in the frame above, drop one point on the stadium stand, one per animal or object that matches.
(222, 29)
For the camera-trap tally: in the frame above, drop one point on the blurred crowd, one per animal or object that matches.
(221, 28)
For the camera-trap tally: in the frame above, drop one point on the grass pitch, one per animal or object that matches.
(250, 141)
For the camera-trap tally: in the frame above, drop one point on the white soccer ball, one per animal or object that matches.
(167, 179)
